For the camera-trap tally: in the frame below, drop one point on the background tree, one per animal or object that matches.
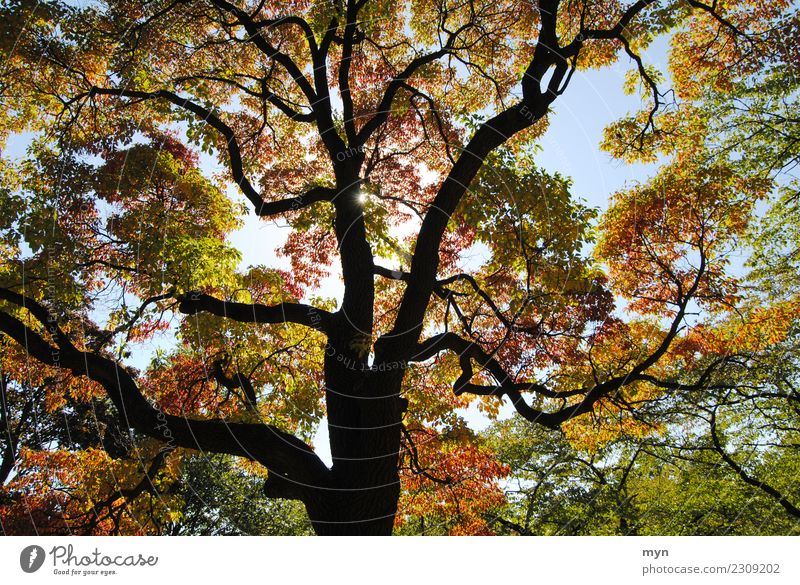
(393, 138)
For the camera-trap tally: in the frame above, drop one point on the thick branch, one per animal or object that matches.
(308, 315)
(313, 195)
(281, 452)
(235, 382)
(489, 136)
(468, 351)
(348, 43)
(614, 32)
(318, 95)
(425, 261)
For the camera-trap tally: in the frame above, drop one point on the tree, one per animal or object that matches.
(353, 122)
(672, 483)
(222, 498)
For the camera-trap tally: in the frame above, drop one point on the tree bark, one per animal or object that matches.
(365, 412)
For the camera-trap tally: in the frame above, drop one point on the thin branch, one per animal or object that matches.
(790, 508)
(234, 150)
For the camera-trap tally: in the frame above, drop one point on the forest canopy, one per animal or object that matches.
(636, 364)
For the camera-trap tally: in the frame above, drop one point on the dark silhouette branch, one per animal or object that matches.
(280, 452)
(254, 28)
(400, 81)
(489, 136)
(611, 33)
(196, 302)
(206, 115)
(263, 94)
(348, 43)
(237, 381)
(469, 351)
(790, 508)
(261, 207)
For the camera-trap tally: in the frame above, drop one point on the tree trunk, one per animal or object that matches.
(364, 406)
(364, 420)
(351, 513)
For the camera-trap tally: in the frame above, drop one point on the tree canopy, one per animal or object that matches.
(648, 350)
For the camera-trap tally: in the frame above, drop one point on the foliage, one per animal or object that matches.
(649, 350)
(223, 498)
